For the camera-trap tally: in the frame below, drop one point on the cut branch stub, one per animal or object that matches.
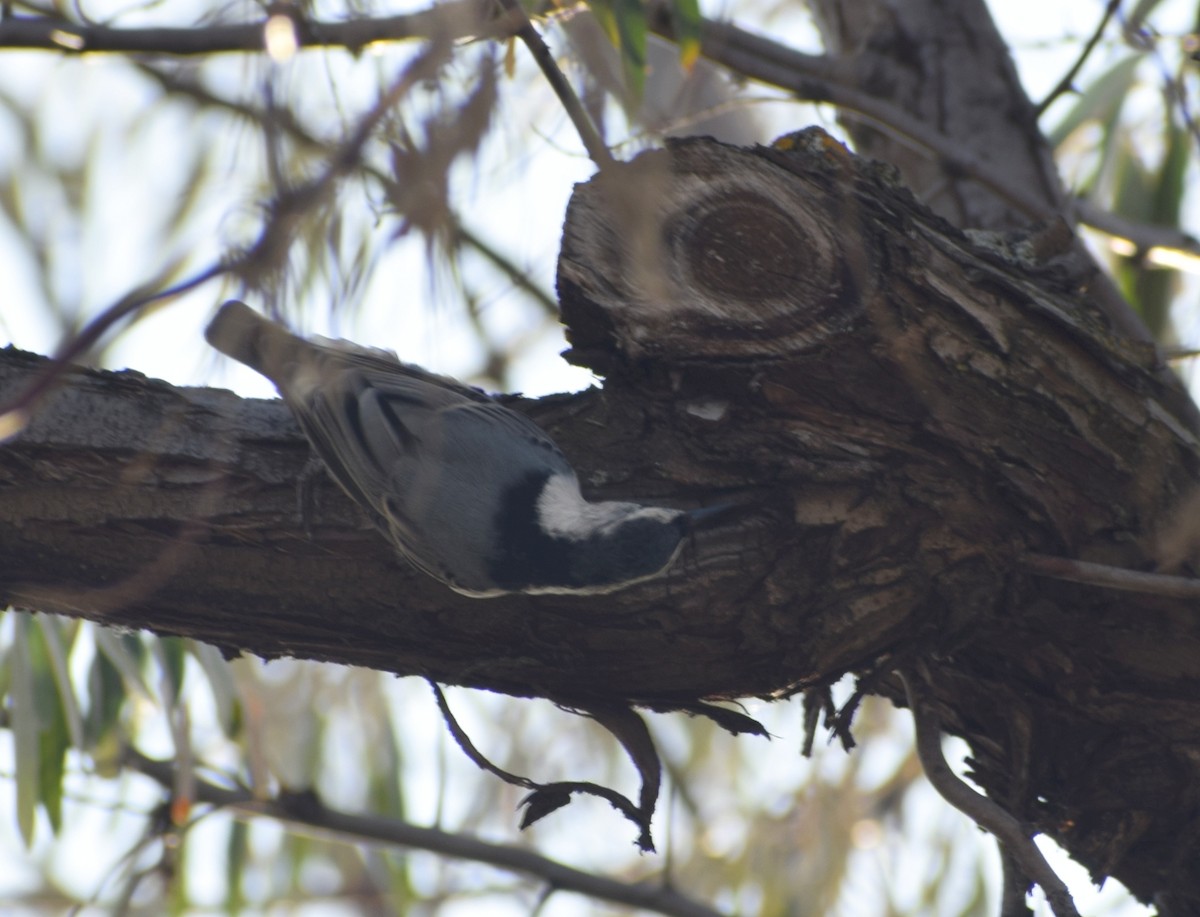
(704, 245)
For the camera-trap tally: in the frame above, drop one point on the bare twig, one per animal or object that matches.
(252, 264)
(453, 19)
(983, 811)
(1015, 889)
(592, 142)
(467, 238)
(1180, 353)
(1065, 84)
(307, 810)
(1082, 571)
(1143, 237)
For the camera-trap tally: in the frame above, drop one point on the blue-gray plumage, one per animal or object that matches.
(471, 492)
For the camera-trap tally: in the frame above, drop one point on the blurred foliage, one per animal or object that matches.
(116, 170)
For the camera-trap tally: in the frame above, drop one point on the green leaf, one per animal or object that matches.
(106, 697)
(6, 662)
(235, 863)
(25, 729)
(53, 736)
(1172, 174)
(625, 23)
(220, 681)
(1151, 196)
(52, 632)
(686, 17)
(126, 653)
(171, 653)
(53, 744)
(39, 728)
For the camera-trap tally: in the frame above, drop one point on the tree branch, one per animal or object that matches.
(1144, 237)
(592, 141)
(1064, 84)
(1090, 574)
(821, 78)
(452, 19)
(824, 79)
(983, 811)
(309, 811)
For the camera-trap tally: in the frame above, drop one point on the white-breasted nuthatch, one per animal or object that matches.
(469, 491)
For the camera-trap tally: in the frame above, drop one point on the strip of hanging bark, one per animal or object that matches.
(732, 721)
(545, 798)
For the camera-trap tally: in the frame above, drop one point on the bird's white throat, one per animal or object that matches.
(563, 513)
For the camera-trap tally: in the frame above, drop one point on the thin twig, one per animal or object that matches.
(264, 255)
(1066, 83)
(1091, 574)
(312, 813)
(592, 142)
(1142, 236)
(285, 120)
(983, 811)
(545, 798)
(467, 238)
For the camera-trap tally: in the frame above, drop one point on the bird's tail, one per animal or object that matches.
(263, 345)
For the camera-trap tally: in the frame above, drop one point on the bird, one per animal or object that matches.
(469, 491)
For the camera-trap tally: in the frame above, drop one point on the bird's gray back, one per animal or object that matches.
(429, 458)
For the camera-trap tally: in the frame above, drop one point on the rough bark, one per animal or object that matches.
(944, 62)
(903, 413)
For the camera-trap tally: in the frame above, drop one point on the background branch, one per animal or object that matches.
(453, 19)
(307, 810)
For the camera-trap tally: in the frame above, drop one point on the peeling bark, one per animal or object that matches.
(902, 411)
